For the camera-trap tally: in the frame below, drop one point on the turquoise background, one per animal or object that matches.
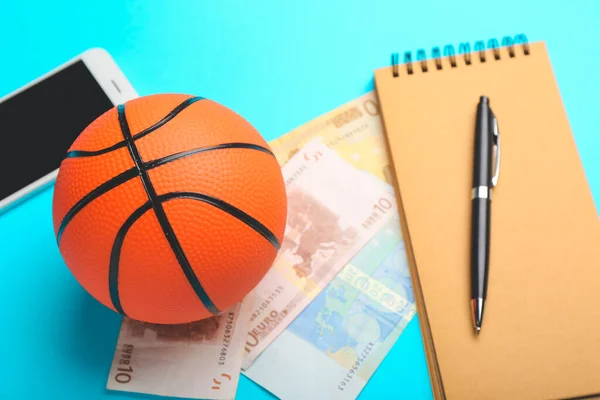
(279, 64)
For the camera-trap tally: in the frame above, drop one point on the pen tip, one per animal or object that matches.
(477, 305)
(483, 99)
(478, 329)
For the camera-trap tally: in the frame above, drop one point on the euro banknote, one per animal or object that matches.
(333, 211)
(331, 216)
(335, 345)
(354, 131)
(195, 360)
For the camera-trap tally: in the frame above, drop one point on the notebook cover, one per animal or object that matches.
(541, 330)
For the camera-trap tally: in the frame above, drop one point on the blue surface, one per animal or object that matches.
(278, 66)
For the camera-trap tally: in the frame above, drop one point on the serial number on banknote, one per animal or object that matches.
(346, 136)
(265, 303)
(125, 369)
(354, 113)
(352, 371)
(226, 338)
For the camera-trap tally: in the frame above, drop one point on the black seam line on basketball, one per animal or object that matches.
(131, 173)
(162, 216)
(231, 210)
(97, 192)
(115, 254)
(84, 153)
(160, 161)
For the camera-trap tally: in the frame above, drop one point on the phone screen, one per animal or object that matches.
(39, 124)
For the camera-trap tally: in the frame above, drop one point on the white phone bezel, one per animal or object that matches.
(112, 81)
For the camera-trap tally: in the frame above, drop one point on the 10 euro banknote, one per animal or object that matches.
(333, 211)
(334, 346)
(201, 359)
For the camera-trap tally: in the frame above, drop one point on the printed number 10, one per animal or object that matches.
(382, 205)
(122, 377)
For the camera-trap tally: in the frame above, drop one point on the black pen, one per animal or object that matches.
(487, 139)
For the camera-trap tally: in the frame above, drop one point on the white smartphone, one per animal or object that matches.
(40, 121)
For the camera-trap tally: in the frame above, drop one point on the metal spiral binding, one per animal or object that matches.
(464, 50)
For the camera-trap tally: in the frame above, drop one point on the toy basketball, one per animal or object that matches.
(169, 208)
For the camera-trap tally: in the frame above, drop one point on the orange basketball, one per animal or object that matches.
(169, 208)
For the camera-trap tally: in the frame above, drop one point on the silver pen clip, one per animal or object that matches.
(496, 133)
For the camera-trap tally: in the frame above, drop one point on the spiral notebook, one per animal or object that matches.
(541, 328)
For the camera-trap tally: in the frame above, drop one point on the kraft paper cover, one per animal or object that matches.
(541, 329)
